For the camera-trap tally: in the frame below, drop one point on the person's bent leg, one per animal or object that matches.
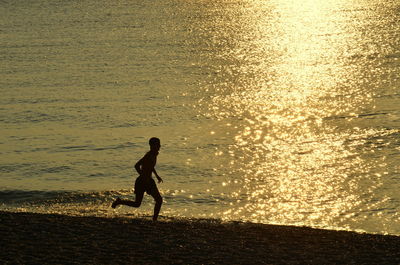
(158, 199)
(136, 203)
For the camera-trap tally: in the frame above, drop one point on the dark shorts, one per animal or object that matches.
(143, 184)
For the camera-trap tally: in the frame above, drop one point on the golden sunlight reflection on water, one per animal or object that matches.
(287, 85)
(278, 111)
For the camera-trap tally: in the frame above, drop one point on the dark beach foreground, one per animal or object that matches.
(29, 238)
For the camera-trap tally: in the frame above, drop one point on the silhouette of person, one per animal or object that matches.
(145, 183)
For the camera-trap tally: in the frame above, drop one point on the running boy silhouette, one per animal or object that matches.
(145, 183)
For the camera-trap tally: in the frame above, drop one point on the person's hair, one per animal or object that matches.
(154, 140)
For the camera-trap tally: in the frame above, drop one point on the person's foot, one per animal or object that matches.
(116, 202)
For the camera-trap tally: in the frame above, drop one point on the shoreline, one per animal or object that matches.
(61, 239)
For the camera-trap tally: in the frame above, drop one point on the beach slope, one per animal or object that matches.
(28, 238)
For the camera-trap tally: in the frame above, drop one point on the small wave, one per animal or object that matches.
(21, 197)
(61, 202)
(12, 197)
(364, 115)
(95, 148)
(7, 168)
(33, 117)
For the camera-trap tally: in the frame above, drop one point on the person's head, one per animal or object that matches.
(154, 143)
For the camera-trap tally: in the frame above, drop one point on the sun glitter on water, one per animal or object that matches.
(296, 149)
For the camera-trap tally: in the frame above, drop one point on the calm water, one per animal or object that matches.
(268, 111)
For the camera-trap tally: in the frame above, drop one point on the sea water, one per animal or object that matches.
(280, 112)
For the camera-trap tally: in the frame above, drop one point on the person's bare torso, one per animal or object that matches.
(148, 163)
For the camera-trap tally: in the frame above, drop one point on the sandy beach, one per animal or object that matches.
(28, 238)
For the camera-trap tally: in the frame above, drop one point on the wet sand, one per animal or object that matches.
(27, 238)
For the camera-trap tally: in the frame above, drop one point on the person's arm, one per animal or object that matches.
(158, 177)
(138, 166)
